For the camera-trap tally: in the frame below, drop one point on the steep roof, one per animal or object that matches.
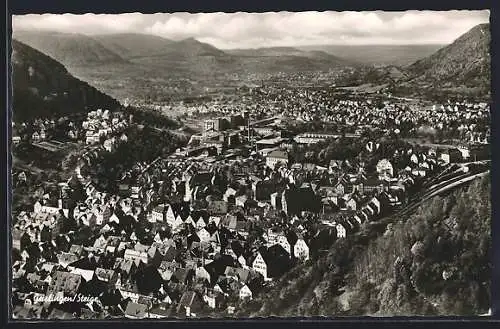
(278, 154)
(136, 310)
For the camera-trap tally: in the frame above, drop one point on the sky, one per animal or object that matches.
(274, 29)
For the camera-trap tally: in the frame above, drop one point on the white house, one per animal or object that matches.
(341, 231)
(170, 217)
(114, 218)
(283, 241)
(245, 292)
(376, 203)
(301, 250)
(202, 273)
(178, 222)
(136, 255)
(242, 261)
(259, 265)
(200, 223)
(204, 235)
(109, 144)
(229, 192)
(157, 214)
(384, 167)
(189, 220)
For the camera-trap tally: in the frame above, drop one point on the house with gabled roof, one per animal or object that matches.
(414, 158)
(271, 262)
(136, 311)
(245, 293)
(190, 304)
(283, 241)
(100, 243)
(86, 275)
(114, 219)
(66, 283)
(66, 258)
(369, 210)
(343, 187)
(158, 214)
(178, 223)
(301, 249)
(161, 311)
(106, 275)
(385, 168)
(259, 264)
(203, 235)
(202, 273)
(230, 192)
(341, 230)
(200, 223)
(189, 220)
(136, 256)
(376, 205)
(154, 256)
(76, 249)
(141, 247)
(353, 201)
(170, 216)
(229, 222)
(165, 272)
(241, 200)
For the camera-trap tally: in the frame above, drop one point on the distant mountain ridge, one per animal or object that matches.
(128, 64)
(71, 49)
(396, 55)
(282, 51)
(461, 69)
(466, 61)
(77, 50)
(43, 87)
(140, 66)
(130, 45)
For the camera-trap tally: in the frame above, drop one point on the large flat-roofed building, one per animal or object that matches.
(311, 138)
(237, 120)
(277, 156)
(212, 125)
(264, 131)
(269, 142)
(216, 124)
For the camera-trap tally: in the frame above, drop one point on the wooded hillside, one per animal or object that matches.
(436, 262)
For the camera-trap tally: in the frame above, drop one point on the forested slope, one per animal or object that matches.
(435, 262)
(42, 87)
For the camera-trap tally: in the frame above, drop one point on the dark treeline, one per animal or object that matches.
(42, 87)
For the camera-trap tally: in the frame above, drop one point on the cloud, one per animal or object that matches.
(250, 30)
(85, 23)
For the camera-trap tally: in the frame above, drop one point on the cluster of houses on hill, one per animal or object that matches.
(174, 266)
(36, 131)
(350, 195)
(40, 130)
(102, 127)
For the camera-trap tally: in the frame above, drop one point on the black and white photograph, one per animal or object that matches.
(250, 165)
